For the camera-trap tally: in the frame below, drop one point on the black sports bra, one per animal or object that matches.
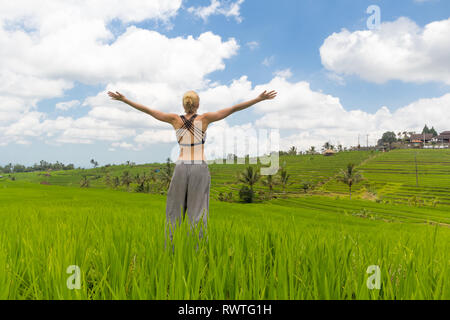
(188, 126)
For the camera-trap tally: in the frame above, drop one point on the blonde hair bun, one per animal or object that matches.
(191, 101)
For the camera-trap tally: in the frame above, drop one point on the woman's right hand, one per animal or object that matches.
(116, 96)
(267, 95)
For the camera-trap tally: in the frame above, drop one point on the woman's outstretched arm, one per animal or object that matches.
(221, 114)
(158, 115)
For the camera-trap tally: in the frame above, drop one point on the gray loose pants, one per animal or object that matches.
(188, 192)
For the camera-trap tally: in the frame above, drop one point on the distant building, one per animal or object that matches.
(328, 152)
(444, 137)
(420, 138)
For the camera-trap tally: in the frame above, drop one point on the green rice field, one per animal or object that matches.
(317, 245)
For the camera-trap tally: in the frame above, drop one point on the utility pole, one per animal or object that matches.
(368, 141)
(424, 140)
(417, 171)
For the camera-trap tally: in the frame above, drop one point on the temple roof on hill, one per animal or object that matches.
(420, 136)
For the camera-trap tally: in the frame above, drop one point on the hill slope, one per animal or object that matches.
(312, 168)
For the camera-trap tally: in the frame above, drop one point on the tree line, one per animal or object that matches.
(45, 166)
(390, 137)
(41, 166)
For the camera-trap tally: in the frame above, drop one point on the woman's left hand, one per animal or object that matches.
(267, 95)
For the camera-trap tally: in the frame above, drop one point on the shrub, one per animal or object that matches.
(306, 185)
(225, 197)
(139, 188)
(246, 194)
(85, 182)
(263, 195)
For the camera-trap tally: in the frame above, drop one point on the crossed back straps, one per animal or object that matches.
(188, 125)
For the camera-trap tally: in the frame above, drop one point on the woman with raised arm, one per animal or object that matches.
(189, 187)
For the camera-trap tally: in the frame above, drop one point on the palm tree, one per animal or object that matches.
(115, 182)
(292, 151)
(169, 167)
(126, 178)
(141, 180)
(249, 176)
(166, 174)
(326, 146)
(270, 182)
(151, 179)
(405, 135)
(284, 178)
(94, 163)
(350, 177)
(165, 179)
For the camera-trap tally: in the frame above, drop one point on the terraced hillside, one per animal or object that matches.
(313, 168)
(391, 176)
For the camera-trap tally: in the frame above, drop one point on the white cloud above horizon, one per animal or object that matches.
(317, 117)
(218, 7)
(66, 105)
(132, 63)
(253, 45)
(399, 50)
(37, 63)
(303, 116)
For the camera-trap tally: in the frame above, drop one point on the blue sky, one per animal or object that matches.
(287, 34)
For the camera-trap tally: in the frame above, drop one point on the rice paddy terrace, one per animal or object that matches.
(302, 168)
(388, 177)
(315, 169)
(391, 176)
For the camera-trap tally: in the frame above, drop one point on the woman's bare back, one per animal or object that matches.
(191, 135)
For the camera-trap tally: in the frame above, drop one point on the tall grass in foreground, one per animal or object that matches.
(117, 240)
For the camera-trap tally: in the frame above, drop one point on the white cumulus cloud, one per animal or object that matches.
(66, 105)
(399, 50)
(50, 45)
(216, 7)
(311, 118)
